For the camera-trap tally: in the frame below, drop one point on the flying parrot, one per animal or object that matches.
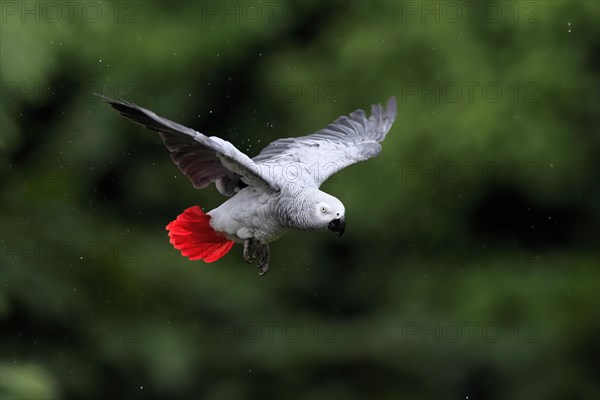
(269, 194)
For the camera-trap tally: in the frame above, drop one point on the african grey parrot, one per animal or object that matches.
(271, 193)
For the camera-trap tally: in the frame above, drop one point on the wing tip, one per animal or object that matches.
(122, 106)
(391, 109)
(383, 118)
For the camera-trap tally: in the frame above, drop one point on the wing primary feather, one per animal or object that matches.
(347, 140)
(202, 159)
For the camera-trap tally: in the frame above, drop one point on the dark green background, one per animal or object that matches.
(469, 267)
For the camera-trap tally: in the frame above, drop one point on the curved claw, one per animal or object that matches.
(251, 250)
(264, 259)
(256, 252)
(245, 251)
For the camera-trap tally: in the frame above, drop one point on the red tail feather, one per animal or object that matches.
(192, 234)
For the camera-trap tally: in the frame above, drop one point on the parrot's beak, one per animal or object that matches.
(337, 225)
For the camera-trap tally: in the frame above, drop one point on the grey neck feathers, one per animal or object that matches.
(296, 206)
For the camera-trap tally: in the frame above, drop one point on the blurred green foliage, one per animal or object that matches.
(470, 262)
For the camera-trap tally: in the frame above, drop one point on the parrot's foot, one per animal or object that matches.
(248, 243)
(258, 253)
(264, 259)
(252, 251)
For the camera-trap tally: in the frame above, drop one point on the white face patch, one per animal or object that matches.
(327, 210)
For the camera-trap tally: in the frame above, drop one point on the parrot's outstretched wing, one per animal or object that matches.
(201, 158)
(311, 159)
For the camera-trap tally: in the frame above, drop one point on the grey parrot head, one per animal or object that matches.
(327, 212)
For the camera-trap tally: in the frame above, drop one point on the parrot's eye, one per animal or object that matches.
(323, 209)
